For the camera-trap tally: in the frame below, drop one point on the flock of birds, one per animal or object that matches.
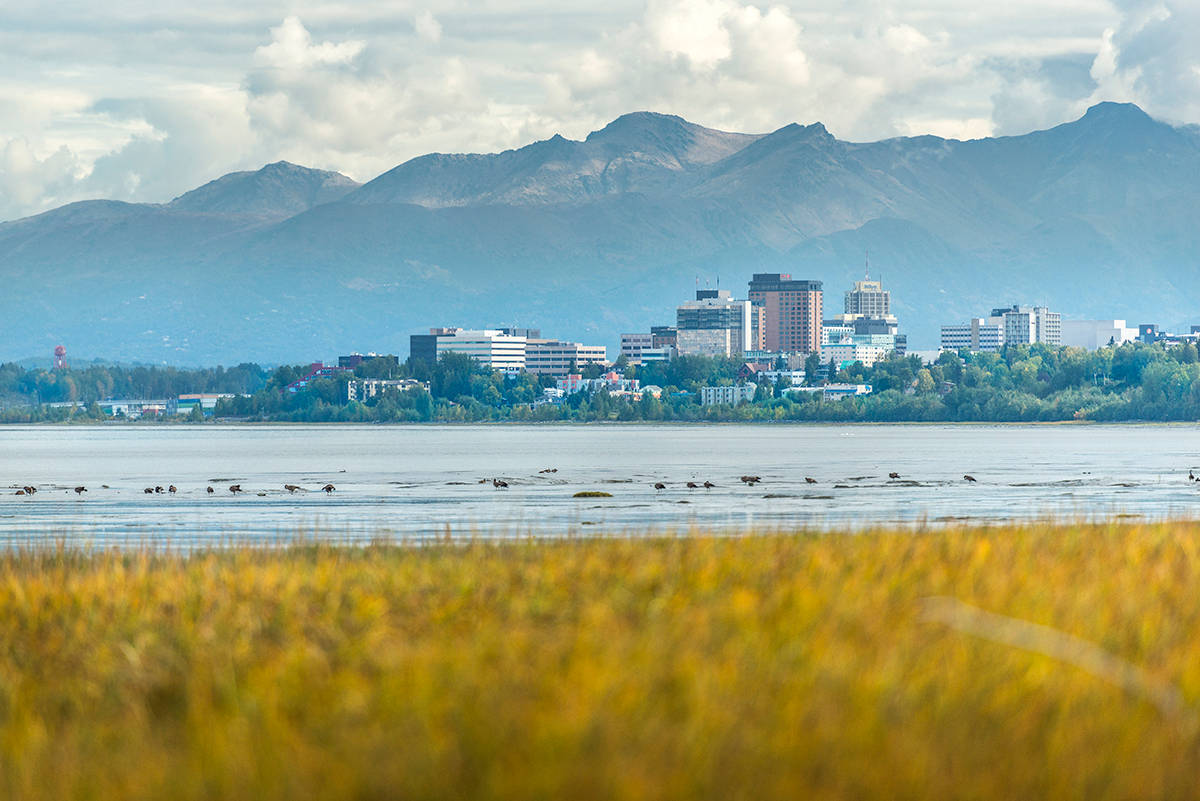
(498, 483)
(172, 489)
(749, 481)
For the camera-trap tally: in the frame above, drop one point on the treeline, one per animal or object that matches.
(1023, 383)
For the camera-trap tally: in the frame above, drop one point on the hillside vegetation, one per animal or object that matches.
(1042, 661)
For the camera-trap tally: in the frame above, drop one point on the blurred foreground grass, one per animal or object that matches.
(773, 666)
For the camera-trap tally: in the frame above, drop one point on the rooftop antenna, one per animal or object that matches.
(867, 264)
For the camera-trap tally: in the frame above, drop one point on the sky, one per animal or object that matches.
(142, 100)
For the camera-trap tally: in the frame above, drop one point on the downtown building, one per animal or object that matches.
(557, 358)
(866, 331)
(714, 324)
(1013, 325)
(507, 349)
(656, 346)
(791, 313)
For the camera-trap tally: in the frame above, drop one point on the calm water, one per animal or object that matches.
(417, 481)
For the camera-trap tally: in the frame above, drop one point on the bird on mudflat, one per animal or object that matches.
(158, 490)
(148, 490)
(20, 492)
(549, 470)
(751, 480)
(658, 485)
(210, 490)
(693, 485)
(29, 490)
(709, 485)
(893, 475)
(1191, 477)
(80, 490)
(171, 489)
(969, 479)
(290, 487)
(235, 488)
(808, 480)
(328, 488)
(499, 483)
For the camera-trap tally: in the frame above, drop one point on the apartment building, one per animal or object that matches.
(731, 395)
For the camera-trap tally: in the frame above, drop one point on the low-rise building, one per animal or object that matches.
(611, 382)
(1095, 334)
(834, 391)
(552, 357)
(361, 389)
(207, 402)
(865, 348)
(731, 395)
(492, 348)
(976, 335)
(316, 371)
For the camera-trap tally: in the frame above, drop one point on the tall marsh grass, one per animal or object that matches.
(1039, 661)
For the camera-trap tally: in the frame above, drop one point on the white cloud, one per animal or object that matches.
(427, 26)
(144, 103)
(292, 48)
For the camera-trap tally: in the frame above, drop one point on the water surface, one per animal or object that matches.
(422, 481)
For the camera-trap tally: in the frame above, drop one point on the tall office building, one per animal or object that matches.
(868, 299)
(714, 324)
(791, 312)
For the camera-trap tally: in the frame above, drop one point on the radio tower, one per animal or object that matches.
(60, 358)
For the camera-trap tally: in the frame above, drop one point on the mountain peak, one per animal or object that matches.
(639, 123)
(1109, 111)
(280, 188)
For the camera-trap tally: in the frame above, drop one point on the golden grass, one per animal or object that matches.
(1006, 663)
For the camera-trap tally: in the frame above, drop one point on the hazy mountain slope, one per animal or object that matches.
(281, 189)
(640, 153)
(1097, 217)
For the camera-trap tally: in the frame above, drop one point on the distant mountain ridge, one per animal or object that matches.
(281, 188)
(1096, 217)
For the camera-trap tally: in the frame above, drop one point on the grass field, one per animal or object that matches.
(1005, 663)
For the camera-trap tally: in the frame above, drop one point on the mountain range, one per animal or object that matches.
(1097, 218)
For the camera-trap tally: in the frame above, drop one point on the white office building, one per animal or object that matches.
(865, 348)
(1096, 334)
(976, 335)
(491, 348)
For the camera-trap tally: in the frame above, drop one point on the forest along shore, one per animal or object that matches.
(1035, 383)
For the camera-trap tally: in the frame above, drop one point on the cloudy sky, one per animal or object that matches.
(145, 99)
